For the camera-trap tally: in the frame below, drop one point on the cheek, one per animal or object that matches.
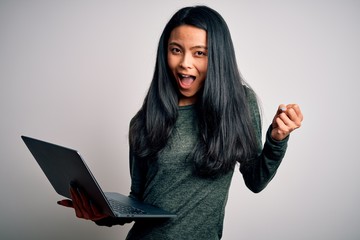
(203, 68)
(171, 62)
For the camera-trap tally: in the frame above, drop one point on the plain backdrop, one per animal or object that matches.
(75, 72)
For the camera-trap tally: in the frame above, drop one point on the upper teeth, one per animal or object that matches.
(184, 76)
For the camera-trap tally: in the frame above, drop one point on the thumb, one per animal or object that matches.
(281, 108)
(66, 203)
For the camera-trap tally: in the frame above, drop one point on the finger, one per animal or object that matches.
(77, 203)
(293, 116)
(66, 203)
(97, 213)
(87, 210)
(290, 124)
(298, 111)
(95, 210)
(280, 132)
(75, 196)
(281, 108)
(282, 123)
(285, 120)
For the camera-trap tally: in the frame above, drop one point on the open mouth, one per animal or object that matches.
(186, 80)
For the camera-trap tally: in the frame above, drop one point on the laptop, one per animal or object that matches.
(64, 166)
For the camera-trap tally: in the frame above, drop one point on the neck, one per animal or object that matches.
(186, 101)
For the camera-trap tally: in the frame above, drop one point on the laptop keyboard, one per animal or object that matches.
(124, 209)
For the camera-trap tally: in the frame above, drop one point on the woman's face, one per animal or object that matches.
(187, 59)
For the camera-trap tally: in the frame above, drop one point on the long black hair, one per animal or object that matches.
(226, 132)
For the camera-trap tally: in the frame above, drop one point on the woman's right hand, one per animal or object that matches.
(82, 205)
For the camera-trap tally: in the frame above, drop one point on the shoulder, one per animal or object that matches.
(250, 96)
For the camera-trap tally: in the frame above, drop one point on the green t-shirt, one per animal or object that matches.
(170, 183)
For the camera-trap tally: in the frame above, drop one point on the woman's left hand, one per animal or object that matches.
(287, 119)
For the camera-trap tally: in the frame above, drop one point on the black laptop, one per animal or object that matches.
(63, 166)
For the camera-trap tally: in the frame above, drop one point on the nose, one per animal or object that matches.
(186, 61)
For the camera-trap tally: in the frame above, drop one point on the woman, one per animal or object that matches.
(198, 120)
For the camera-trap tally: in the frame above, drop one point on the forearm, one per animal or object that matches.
(258, 172)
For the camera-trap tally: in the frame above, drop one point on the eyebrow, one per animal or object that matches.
(194, 47)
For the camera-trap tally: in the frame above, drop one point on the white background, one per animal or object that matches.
(75, 72)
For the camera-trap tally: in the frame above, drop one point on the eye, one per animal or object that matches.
(175, 50)
(200, 53)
